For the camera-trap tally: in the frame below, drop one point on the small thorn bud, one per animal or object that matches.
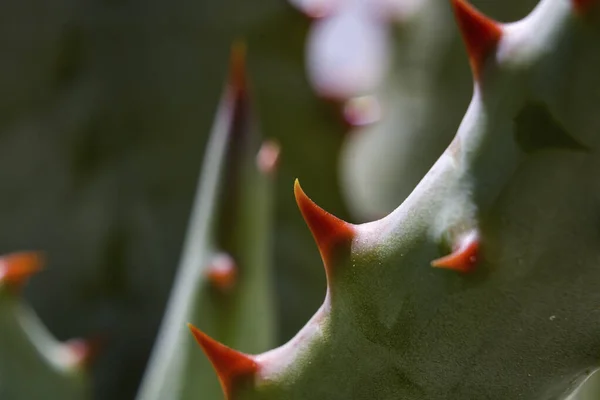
(222, 272)
(229, 364)
(362, 110)
(17, 268)
(480, 33)
(328, 230)
(267, 159)
(82, 353)
(463, 258)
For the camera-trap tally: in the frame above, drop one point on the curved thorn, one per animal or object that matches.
(229, 364)
(222, 272)
(328, 230)
(17, 268)
(464, 258)
(480, 33)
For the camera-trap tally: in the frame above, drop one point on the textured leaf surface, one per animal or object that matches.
(421, 101)
(520, 324)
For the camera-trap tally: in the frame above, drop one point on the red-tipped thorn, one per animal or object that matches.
(328, 230)
(464, 258)
(17, 268)
(229, 364)
(583, 6)
(267, 159)
(222, 272)
(237, 66)
(83, 352)
(480, 33)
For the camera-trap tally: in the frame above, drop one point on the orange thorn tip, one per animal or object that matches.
(464, 258)
(328, 230)
(229, 364)
(267, 159)
(17, 268)
(237, 66)
(480, 33)
(222, 272)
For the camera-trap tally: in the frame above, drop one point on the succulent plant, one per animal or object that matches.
(400, 127)
(224, 281)
(482, 283)
(33, 364)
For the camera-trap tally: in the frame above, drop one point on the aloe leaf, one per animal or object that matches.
(232, 215)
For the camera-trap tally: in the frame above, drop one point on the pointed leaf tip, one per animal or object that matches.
(237, 66)
(480, 33)
(17, 268)
(464, 258)
(222, 272)
(229, 364)
(328, 230)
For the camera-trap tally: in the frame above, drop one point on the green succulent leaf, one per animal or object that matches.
(224, 282)
(506, 315)
(33, 364)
